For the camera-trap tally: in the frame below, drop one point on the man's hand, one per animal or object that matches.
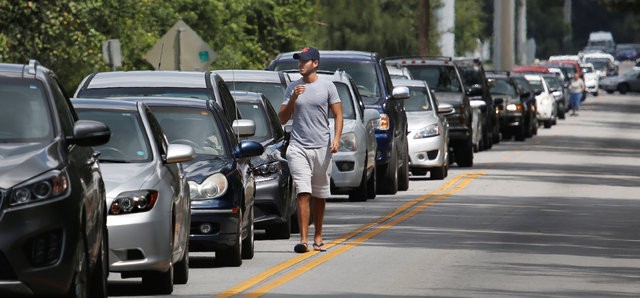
(299, 89)
(335, 145)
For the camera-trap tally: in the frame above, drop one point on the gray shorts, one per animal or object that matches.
(310, 170)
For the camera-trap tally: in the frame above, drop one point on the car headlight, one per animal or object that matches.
(384, 122)
(49, 185)
(133, 202)
(348, 142)
(267, 169)
(213, 187)
(514, 107)
(427, 131)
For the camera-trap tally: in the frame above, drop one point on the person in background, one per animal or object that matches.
(576, 88)
(307, 102)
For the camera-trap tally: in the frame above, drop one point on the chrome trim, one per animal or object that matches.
(208, 211)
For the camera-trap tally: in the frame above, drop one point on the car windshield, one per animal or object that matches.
(553, 82)
(363, 73)
(587, 69)
(522, 83)
(536, 85)
(24, 112)
(190, 126)
(347, 102)
(418, 100)
(128, 142)
(601, 64)
(440, 78)
(258, 114)
(274, 92)
(199, 93)
(471, 75)
(503, 87)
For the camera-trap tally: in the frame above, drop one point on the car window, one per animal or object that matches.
(363, 73)
(256, 113)
(228, 103)
(441, 78)
(194, 127)
(24, 113)
(418, 100)
(128, 142)
(199, 93)
(471, 75)
(344, 93)
(63, 106)
(158, 136)
(503, 87)
(274, 92)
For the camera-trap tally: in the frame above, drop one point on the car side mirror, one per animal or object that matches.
(244, 127)
(525, 95)
(400, 92)
(248, 149)
(475, 90)
(179, 153)
(370, 115)
(90, 133)
(445, 109)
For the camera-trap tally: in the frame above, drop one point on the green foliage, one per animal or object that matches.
(545, 23)
(469, 25)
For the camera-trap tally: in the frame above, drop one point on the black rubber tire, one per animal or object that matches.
(547, 123)
(79, 286)
(248, 243)
(438, 173)
(403, 172)
(464, 154)
(623, 88)
(158, 282)
(359, 194)
(419, 171)
(181, 268)
(98, 281)
(387, 181)
(232, 256)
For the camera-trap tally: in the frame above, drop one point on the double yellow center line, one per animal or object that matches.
(347, 241)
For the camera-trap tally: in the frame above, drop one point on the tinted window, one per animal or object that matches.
(440, 78)
(256, 113)
(128, 142)
(63, 106)
(24, 112)
(272, 91)
(194, 127)
(471, 75)
(200, 93)
(363, 73)
(344, 93)
(419, 100)
(503, 87)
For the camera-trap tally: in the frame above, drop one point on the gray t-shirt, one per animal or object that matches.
(310, 128)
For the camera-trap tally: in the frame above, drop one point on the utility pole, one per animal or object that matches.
(503, 43)
(566, 41)
(423, 27)
(521, 33)
(445, 20)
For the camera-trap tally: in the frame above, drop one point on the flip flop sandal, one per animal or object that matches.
(319, 247)
(301, 248)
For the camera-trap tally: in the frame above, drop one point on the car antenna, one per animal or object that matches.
(161, 51)
(233, 78)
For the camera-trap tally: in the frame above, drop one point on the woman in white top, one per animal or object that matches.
(576, 88)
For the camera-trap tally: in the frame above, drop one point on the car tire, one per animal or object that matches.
(280, 230)
(419, 171)
(158, 282)
(181, 268)
(387, 181)
(232, 256)
(79, 287)
(464, 154)
(438, 173)
(403, 174)
(371, 185)
(520, 135)
(359, 194)
(547, 123)
(609, 91)
(98, 282)
(623, 88)
(293, 219)
(248, 243)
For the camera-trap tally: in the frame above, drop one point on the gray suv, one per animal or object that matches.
(53, 232)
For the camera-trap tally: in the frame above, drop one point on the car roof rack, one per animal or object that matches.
(30, 70)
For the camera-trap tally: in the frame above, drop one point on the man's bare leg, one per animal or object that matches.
(317, 209)
(303, 215)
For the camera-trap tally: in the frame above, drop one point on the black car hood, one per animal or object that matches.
(454, 98)
(20, 162)
(204, 166)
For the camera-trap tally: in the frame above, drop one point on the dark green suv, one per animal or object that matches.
(53, 232)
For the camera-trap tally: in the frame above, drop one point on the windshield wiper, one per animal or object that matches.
(113, 160)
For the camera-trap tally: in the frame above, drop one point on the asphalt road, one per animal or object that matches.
(554, 216)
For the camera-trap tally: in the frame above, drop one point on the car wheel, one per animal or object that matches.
(280, 230)
(248, 246)
(371, 185)
(403, 174)
(359, 194)
(388, 179)
(79, 288)
(181, 268)
(438, 173)
(609, 91)
(98, 283)
(158, 282)
(464, 154)
(623, 88)
(232, 256)
(547, 124)
(419, 171)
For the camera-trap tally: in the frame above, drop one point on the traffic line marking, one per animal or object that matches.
(343, 242)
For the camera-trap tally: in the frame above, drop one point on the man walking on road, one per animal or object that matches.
(307, 102)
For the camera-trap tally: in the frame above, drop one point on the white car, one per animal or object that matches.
(149, 210)
(546, 107)
(428, 130)
(591, 78)
(476, 122)
(354, 165)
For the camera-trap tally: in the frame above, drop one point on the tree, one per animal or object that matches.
(470, 23)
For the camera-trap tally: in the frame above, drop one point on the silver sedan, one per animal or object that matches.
(147, 195)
